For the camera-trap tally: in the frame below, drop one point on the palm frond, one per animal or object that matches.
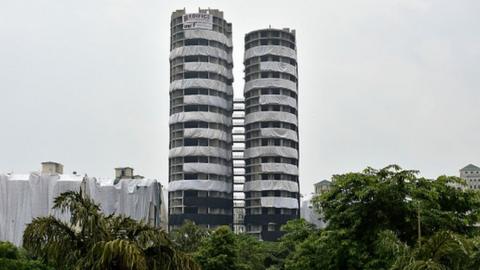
(49, 238)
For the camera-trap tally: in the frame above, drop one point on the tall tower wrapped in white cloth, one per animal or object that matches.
(271, 129)
(201, 104)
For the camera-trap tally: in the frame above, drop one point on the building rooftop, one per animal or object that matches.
(470, 167)
(324, 182)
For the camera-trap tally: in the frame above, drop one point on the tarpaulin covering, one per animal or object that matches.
(201, 83)
(200, 116)
(260, 185)
(270, 82)
(209, 67)
(199, 151)
(207, 168)
(268, 151)
(206, 133)
(279, 133)
(24, 197)
(277, 100)
(280, 168)
(270, 116)
(204, 185)
(207, 34)
(201, 50)
(270, 49)
(278, 67)
(279, 202)
(207, 100)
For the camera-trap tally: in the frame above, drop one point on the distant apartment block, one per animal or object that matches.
(322, 186)
(308, 211)
(471, 174)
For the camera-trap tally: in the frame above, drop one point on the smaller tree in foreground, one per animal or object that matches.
(11, 258)
(189, 236)
(218, 251)
(443, 250)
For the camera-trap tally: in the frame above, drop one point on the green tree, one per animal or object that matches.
(295, 232)
(11, 258)
(251, 253)
(189, 236)
(391, 198)
(218, 251)
(328, 249)
(443, 250)
(360, 206)
(92, 240)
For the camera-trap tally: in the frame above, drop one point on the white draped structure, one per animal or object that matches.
(24, 197)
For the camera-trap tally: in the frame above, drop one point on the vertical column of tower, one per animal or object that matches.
(201, 103)
(271, 127)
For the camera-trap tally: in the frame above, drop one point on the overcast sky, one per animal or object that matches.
(85, 83)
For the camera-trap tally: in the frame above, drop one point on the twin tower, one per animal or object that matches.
(232, 162)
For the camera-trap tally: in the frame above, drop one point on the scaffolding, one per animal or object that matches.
(238, 150)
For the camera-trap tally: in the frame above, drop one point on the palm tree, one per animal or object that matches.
(92, 240)
(443, 250)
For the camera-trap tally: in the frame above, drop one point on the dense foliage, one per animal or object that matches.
(221, 248)
(91, 240)
(11, 258)
(364, 209)
(376, 219)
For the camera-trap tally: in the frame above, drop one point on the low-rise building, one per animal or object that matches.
(24, 197)
(307, 209)
(471, 174)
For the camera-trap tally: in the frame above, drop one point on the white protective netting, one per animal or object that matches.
(199, 151)
(203, 185)
(25, 197)
(208, 67)
(270, 49)
(206, 133)
(207, 100)
(268, 151)
(279, 202)
(280, 168)
(271, 116)
(201, 83)
(260, 185)
(200, 116)
(270, 82)
(201, 50)
(279, 133)
(278, 67)
(207, 168)
(277, 100)
(208, 34)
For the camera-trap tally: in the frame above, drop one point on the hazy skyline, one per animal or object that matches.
(85, 83)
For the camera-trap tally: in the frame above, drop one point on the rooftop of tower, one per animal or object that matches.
(214, 12)
(286, 30)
